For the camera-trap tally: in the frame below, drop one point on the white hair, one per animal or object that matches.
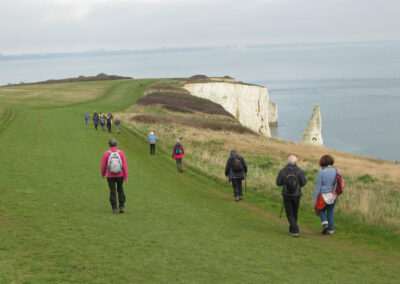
(292, 160)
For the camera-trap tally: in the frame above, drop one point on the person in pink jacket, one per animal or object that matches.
(113, 165)
(177, 154)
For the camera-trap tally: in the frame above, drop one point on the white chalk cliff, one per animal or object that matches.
(248, 103)
(273, 113)
(313, 134)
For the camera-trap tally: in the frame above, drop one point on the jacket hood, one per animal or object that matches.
(234, 153)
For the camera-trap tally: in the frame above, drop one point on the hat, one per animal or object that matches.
(151, 133)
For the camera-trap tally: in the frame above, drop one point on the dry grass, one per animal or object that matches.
(371, 192)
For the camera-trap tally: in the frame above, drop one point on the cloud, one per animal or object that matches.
(72, 25)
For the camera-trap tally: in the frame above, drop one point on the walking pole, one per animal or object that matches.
(280, 216)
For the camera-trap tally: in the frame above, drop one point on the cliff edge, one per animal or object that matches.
(249, 104)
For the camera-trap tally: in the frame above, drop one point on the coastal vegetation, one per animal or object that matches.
(56, 225)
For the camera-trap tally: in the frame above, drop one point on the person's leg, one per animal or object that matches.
(117, 129)
(240, 188)
(296, 205)
(109, 128)
(95, 126)
(113, 195)
(121, 194)
(289, 209)
(236, 190)
(151, 149)
(324, 220)
(330, 215)
(178, 164)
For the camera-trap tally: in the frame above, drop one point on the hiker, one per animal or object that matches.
(117, 125)
(292, 179)
(236, 170)
(108, 124)
(113, 165)
(102, 121)
(110, 116)
(86, 116)
(152, 142)
(95, 120)
(325, 186)
(177, 154)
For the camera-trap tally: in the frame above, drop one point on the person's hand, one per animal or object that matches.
(126, 181)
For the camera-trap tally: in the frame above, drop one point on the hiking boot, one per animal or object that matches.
(330, 232)
(324, 228)
(240, 197)
(237, 198)
(121, 210)
(294, 235)
(115, 211)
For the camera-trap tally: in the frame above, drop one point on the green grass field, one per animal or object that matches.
(56, 224)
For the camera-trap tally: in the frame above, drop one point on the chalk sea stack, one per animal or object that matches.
(313, 134)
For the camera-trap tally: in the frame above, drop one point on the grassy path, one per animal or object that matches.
(56, 223)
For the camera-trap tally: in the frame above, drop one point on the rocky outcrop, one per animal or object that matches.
(313, 133)
(248, 103)
(273, 113)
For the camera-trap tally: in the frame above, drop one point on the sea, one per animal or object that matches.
(356, 84)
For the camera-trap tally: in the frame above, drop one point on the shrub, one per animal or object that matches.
(367, 179)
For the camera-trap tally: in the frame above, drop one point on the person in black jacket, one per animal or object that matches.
(292, 179)
(236, 170)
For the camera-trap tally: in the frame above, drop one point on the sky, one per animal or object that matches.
(51, 26)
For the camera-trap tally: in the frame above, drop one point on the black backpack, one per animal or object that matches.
(291, 182)
(237, 165)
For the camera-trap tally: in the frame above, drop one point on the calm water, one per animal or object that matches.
(356, 85)
(358, 116)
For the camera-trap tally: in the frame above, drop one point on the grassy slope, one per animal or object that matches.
(56, 225)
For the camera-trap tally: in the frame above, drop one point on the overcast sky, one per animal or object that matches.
(31, 26)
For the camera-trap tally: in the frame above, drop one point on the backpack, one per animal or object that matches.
(114, 164)
(237, 165)
(178, 150)
(339, 183)
(291, 182)
(102, 120)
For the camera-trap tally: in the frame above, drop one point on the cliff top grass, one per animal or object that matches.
(56, 224)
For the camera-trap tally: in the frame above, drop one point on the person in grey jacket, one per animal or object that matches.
(292, 179)
(236, 170)
(86, 116)
(326, 180)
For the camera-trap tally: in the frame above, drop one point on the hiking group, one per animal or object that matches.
(103, 120)
(291, 178)
(329, 185)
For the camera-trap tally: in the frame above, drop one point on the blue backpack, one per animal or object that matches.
(178, 150)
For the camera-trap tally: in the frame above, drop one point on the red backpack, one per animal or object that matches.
(339, 184)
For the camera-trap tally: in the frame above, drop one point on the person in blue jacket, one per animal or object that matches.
(152, 142)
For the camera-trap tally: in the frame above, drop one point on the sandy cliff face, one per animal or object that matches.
(273, 113)
(313, 133)
(249, 104)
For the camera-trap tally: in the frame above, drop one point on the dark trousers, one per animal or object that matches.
(95, 126)
(112, 181)
(237, 186)
(292, 207)
(152, 149)
(179, 164)
(109, 127)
